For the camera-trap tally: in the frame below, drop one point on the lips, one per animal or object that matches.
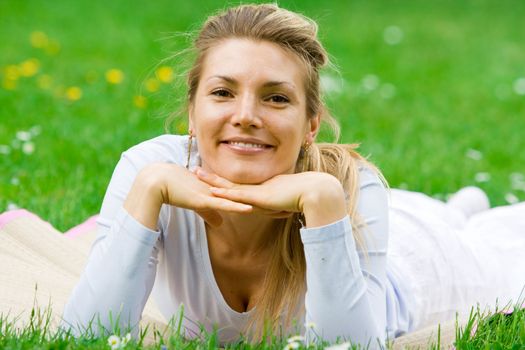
(247, 143)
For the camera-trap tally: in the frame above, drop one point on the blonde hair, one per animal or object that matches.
(285, 280)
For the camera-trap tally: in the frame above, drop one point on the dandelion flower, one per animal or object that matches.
(114, 76)
(139, 101)
(15, 181)
(73, 93)
(39, 39)
(164, 74)
(152, 85)
(9, 84)
(52, 48)
(28, 147)
(114, 342)
(342, 346)
(12, 72)
(44, 82)
(29, 67)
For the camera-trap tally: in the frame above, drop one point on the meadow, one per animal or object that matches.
(433, 91)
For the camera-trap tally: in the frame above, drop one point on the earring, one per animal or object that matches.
(305, 155)
(190, 141)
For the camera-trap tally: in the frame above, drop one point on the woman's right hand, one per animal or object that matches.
(167, 183)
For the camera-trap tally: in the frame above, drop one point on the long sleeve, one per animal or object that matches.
(120, 271)
(346, 286)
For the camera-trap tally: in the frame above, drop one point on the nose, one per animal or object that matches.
(246, 114)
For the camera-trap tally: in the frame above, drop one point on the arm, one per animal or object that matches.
(346, 290)
(120, 271)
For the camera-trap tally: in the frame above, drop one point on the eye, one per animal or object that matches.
(221, 93)
(278, 99)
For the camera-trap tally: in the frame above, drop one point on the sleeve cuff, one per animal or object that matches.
(327, 232)
(135, 229)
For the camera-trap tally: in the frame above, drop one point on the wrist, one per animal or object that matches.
(144, 199)
(324, 203)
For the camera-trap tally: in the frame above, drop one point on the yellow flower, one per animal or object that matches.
(152, 85)
(29, 67)
(52, 48)
(164, 74)
(114, 76)
(139, 101)
(38, 39)
(44, 82)
(12, 72)
(73, 93)
(9, 84)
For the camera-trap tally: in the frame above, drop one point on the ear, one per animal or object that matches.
(313, 125)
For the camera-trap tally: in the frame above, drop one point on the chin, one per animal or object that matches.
(252, 177)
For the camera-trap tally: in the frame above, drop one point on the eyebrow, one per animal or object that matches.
(271, 83)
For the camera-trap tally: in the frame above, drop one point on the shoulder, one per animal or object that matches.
(369, 176)
(163, 148)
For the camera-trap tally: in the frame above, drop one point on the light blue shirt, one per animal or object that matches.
(350, 294)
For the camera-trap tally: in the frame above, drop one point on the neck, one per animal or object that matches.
(244, 234)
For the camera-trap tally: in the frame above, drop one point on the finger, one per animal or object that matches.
(212, 179)
(216, 203)
(241, 193)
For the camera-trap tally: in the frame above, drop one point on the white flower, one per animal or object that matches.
(519, 86)
(28, 147)
(292, 345)
(482, 177)
(5, 149)
(125, 340)
(23, 135)
(296, 338)
(343, 346)
(114, 342)
(12, 206)
(392, 35)
(15, 181)
(370, 82)
(387, 91)
(511, 198)
(310, 325)
(474, 154)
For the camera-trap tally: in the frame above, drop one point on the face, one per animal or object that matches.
(249, 111)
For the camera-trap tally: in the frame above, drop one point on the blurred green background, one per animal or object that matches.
(433, 90)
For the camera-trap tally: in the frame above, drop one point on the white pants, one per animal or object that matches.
(449, 264)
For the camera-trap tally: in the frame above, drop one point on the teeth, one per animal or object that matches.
(246, 145)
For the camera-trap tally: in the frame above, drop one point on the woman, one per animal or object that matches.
(251, 224)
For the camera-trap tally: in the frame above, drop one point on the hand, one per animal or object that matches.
(319, 196)
(165, 183)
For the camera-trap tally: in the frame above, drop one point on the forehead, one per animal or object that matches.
(249, 61)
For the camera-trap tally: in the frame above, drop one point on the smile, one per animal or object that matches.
(247, 144)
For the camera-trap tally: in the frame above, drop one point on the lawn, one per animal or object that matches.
(433, 91)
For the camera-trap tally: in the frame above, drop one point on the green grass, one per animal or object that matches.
(417, 107)
(482, 331)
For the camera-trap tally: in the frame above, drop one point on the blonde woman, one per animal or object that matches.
(250, 224)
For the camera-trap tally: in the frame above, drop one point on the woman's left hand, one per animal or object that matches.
(319, 196)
